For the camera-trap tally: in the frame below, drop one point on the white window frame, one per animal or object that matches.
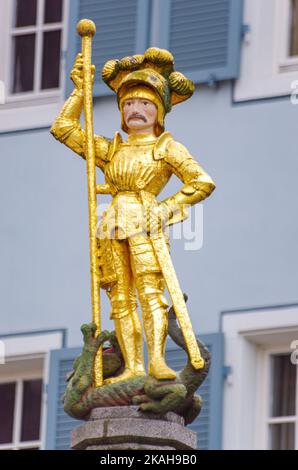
(263, 420)
(247, 336)
(18, 379)
(21, 351)
(266, 69)
(20, 111)
(286, 62)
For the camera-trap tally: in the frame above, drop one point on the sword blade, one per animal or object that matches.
(179, 305)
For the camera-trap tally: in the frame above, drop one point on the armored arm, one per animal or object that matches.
(67, 128)
(197, 183)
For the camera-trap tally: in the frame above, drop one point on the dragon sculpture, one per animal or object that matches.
(155, 396)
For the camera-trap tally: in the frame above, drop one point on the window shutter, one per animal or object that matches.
(204, 36)
(122, 30)
(209, 422)
(59, 424)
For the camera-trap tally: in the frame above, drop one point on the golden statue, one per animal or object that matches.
(132, 241)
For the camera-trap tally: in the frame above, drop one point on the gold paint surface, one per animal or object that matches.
(129, 251)
(87, 31)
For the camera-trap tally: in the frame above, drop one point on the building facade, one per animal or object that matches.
(239, 268)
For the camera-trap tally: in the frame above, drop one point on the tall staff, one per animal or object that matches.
(87, 29)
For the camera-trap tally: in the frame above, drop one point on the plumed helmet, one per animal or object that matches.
(151, 76)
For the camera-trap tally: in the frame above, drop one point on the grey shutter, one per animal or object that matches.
(208, 424)
(122, 30)
(204, 37)
(59, 424)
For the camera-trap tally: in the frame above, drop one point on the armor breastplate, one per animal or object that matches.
(133, 167)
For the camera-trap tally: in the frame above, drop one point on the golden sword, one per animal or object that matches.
(172, 283)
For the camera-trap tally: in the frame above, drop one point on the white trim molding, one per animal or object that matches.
(30, 344)
(248, 336)
(266, 70)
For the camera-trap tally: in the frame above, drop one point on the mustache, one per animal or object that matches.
(135, 115)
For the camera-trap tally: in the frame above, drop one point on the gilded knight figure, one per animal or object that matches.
(136, 169)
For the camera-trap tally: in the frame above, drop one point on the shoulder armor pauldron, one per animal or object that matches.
(160, 148)
(115, 144)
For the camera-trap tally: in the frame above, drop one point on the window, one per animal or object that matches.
(36, 44)
(260, 392)
(283, 402)
(23, 373)
(20, 410)
(293, 49)
(33, 37)
(269, 59)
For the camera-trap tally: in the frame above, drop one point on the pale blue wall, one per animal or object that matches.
(249, 256)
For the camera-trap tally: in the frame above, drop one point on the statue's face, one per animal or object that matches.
(139, 115)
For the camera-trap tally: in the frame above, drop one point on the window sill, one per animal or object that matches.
(289, 65)
(16, 116)
(265, 87)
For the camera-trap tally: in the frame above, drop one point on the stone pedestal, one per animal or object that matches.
(126, 428)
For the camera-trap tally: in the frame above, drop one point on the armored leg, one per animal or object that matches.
(124, 313)
(155, 317)
(150, 286)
